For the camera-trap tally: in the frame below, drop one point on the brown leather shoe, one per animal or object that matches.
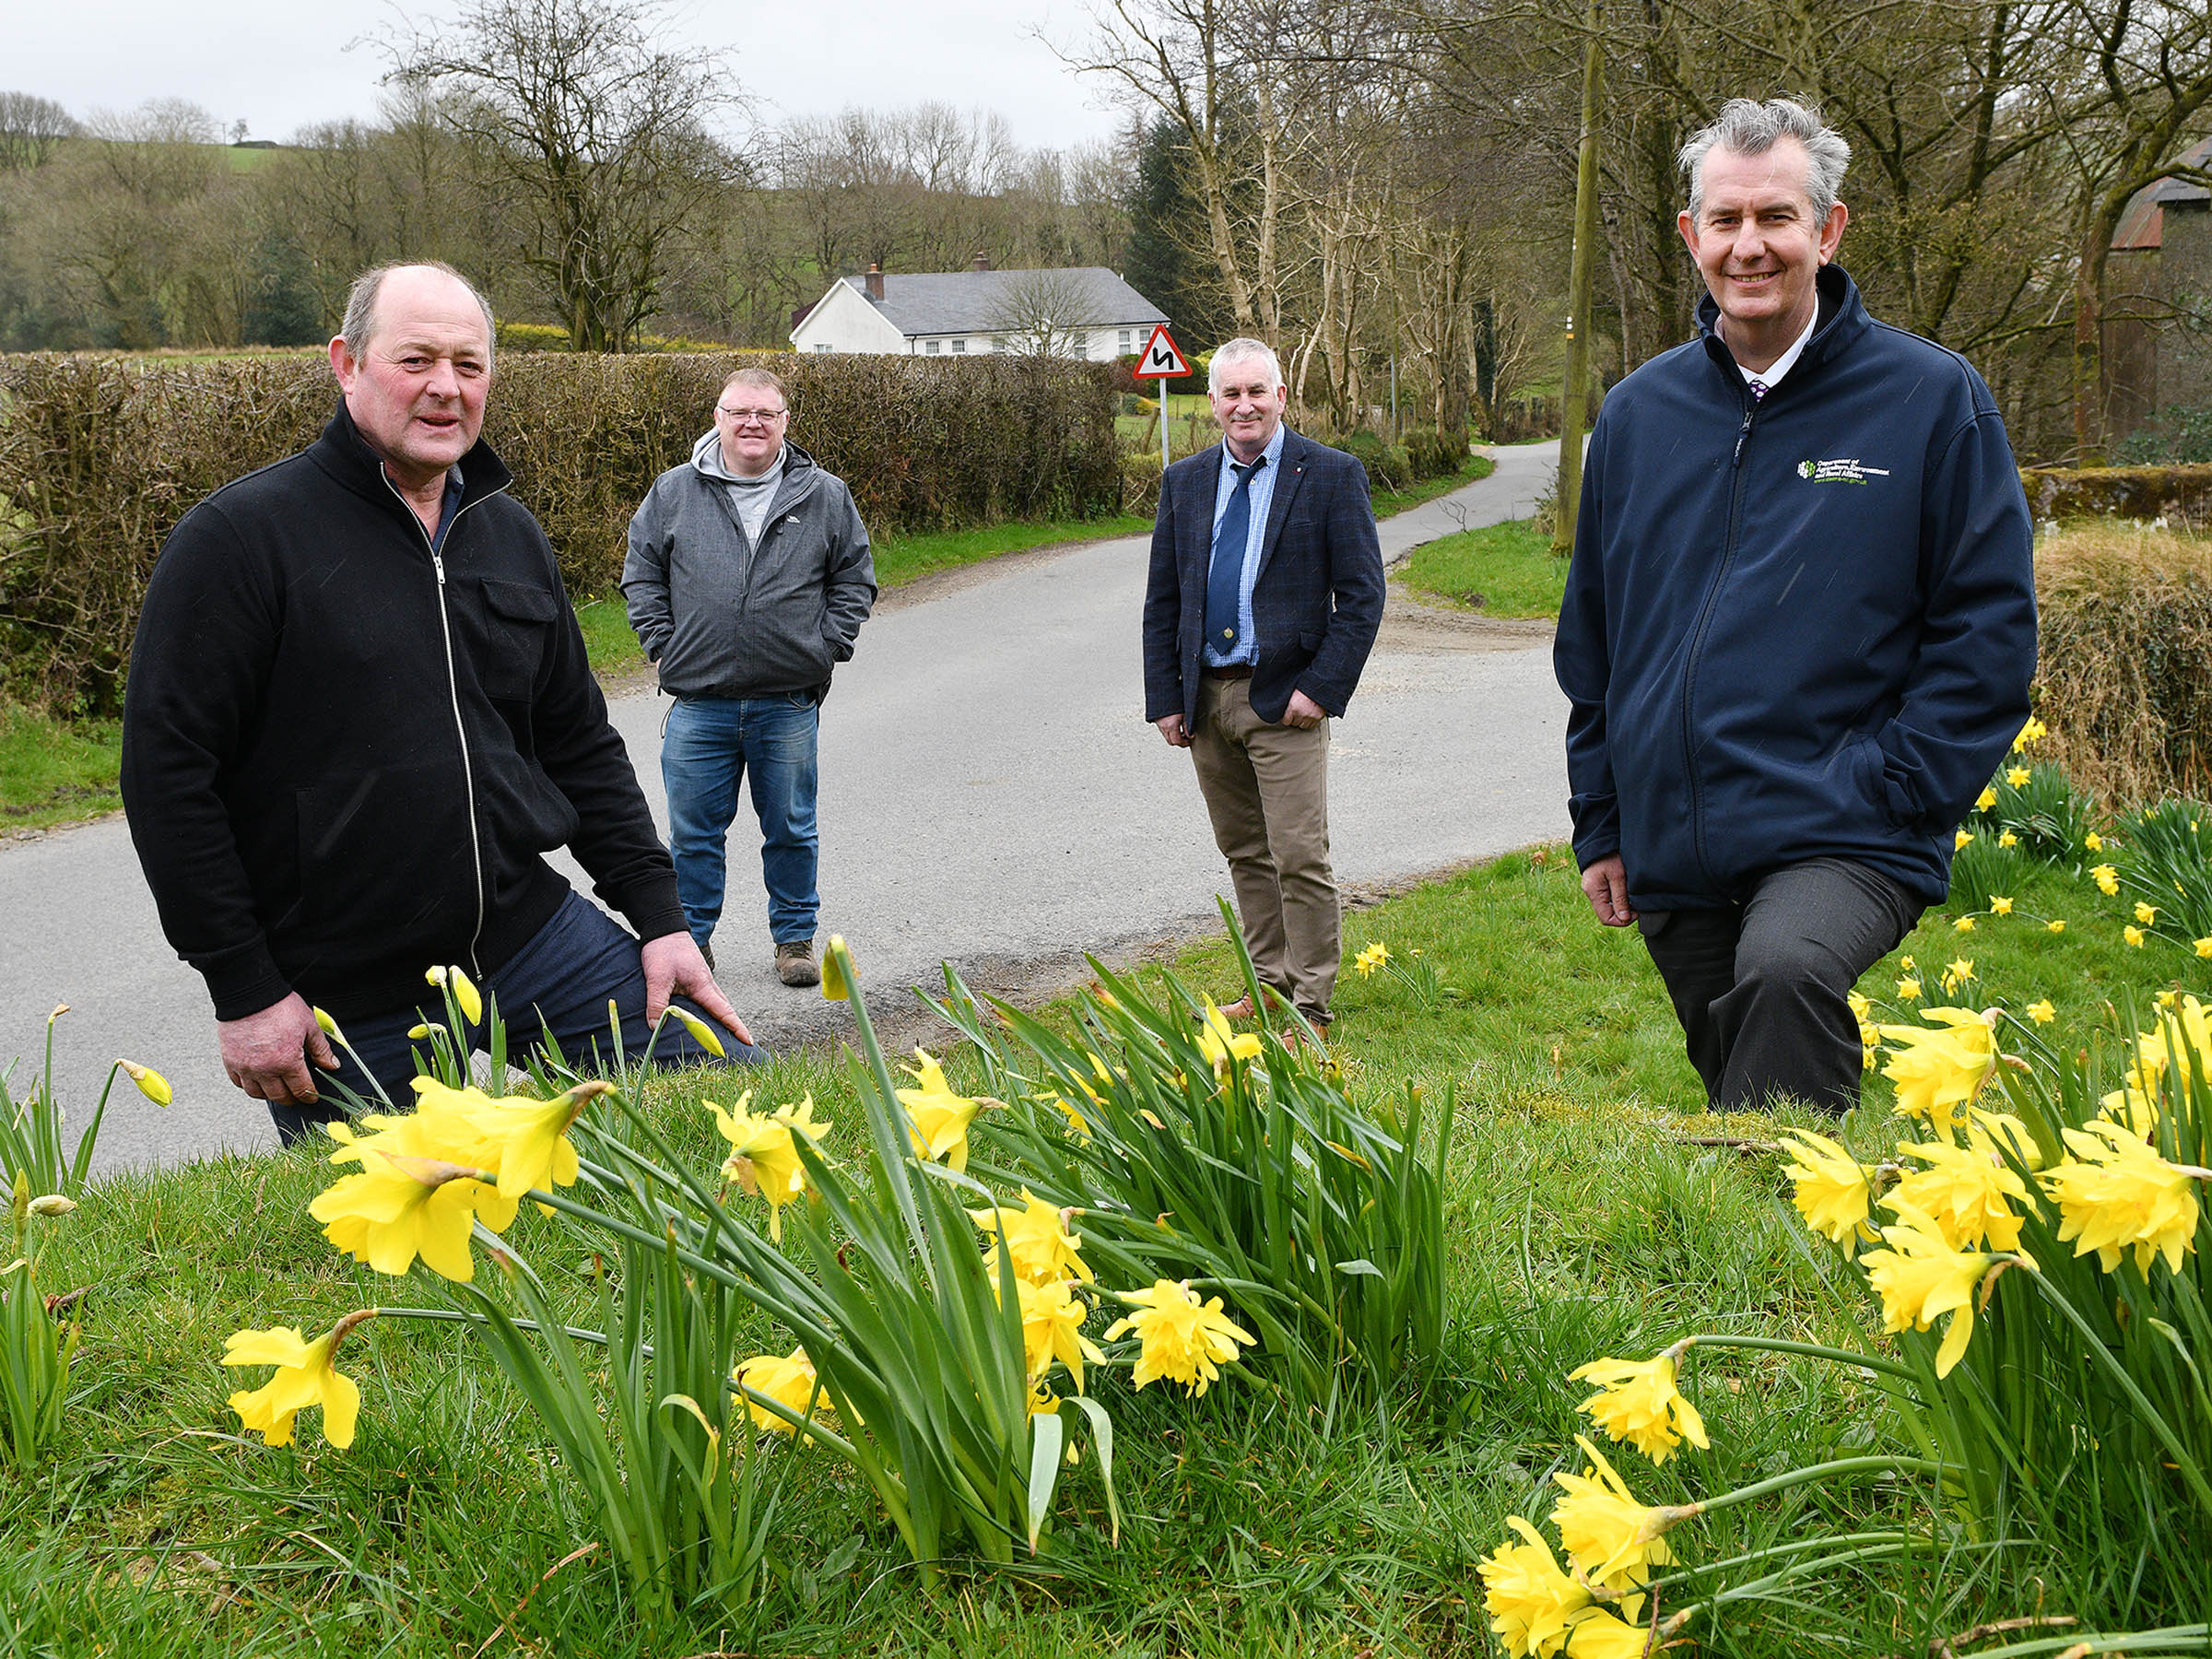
(1240, 1009)
(795, 964)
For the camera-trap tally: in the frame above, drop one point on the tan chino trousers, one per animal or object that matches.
(1266, 788)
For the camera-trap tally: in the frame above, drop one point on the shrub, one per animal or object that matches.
(101, 456)
(1435, 453)
(2179, 437)
(2137, 492)
(2124, 679)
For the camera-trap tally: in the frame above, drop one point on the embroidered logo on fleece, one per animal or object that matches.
(1844, 470)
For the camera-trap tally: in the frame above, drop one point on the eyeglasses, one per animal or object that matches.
(751, 416)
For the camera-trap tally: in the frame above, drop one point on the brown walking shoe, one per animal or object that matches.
(795, 965)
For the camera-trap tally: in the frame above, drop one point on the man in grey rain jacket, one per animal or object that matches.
(747, 579)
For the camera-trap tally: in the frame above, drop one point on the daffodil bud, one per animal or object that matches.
(416, 1033)
(151, 1083)
(329, 1026)
(53, 1204)
(837, 971)
(701, 1032)
(59, 1010)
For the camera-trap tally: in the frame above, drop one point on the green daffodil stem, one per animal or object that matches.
(455, 1316)
(1807, 1350)
(1813, 1472)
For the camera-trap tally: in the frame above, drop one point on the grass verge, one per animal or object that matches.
(1503, 571)
(1585, 1221)
(56, 771)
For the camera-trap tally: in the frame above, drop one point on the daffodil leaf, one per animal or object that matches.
(1047, 1435)
(1360, 1265)
(1102, 1440)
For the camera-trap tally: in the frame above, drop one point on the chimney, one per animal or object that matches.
(875, 281)
(981, 262)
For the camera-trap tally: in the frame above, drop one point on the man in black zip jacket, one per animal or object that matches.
(1799, 626)
(358, 712)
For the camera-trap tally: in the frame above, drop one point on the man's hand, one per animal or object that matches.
(1171, 729)
(266, 1054)
(1607, 884)
(673, 964)
(1304, 712)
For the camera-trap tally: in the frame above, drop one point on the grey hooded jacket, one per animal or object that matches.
(723, 617)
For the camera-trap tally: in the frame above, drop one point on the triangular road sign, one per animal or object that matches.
(1160, 359)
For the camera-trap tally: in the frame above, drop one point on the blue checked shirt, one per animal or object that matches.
(1262, 490)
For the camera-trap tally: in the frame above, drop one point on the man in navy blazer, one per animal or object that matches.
(1264, 595)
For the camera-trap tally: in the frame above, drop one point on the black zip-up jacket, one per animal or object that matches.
(1795, 628)
(343, 755)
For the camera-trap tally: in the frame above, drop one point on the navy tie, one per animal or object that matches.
(1225, 576)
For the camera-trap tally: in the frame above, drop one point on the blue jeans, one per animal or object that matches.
(558, 985)
(709, 746)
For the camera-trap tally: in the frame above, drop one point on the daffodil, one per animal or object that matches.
(1613, 1540)
(2035, 731)
(410, 1198)
(1964, 1190)
(462, 988)
(1375, 955)
(1182, 1339)
(2000, 907)
(2131, 1110)
(2008, 840)
(937, 1119)
(327, 1026)
(1964, 924)
(1036, 1238)
(1986, 799)
(787, 1379)
(2204, 946)
(1940, 1071)
(2017, 776)
(1221, 1046)
(1860, 1007)
(150, 1083)
(2055, 925)
(764, 1160)
(2106, 877)
(701, 1032)
(2041, 1012)
(306, 1375)
(2116, 1193)
(1956, 974)
(2133, 934)
(2146, 913)
(1828, 1186)
(1637, 1402)
(1529, 1600)
(1052, 1330)
(1908, 990)
(1922, 1275)
(1998, 1133)
(837, 984)
(1961, 840)
(2093, 842)
(527, 1140)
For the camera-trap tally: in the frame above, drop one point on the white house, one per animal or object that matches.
(1083, 312)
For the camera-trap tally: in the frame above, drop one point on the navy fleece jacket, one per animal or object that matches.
(1797, 628)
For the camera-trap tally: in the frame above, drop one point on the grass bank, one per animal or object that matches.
(1503, 571)
(1584, 1219)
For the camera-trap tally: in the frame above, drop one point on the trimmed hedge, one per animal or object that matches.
(99, 457)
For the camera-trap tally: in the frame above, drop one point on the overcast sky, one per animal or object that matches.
(278, 64)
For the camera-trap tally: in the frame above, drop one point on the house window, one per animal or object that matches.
(1082, 347)
(1122, 346)
(998, 343)
(930, 346)
(821, 351)
(959, 347)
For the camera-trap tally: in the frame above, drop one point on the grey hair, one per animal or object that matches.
(761, 379)
(1243, 350)
(360, 304)
(1749, 128)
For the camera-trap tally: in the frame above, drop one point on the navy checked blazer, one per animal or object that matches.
(1316, 603)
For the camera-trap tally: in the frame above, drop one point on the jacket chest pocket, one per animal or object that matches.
(518, 622)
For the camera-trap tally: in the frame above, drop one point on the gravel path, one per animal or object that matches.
(990, 794)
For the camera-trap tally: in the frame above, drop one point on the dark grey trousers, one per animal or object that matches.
(1760, 987)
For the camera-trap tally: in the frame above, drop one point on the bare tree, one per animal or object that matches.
(600, 133)
(31, 128)
(1044, 312)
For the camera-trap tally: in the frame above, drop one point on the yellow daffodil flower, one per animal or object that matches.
(2116, 1193)
(526, 1141)
(306, 1375)
(1613, 1541)
(2133, 934)
(2008, 840)
(1183, 1339)
(1956, 974)
(2165, 999)
(837, 985)
(1221, 1046)
(411, 1197)
(1922, 1275)
(2146, 913)
(2017, 776)
(763, 1160)
(2041, 1012)
(2204, 946)
(1964, 924)
(2107, 879)
(1372, 957)
(1986, 799)
(2035, 731)
(1828, 1186)
(937, 1119)
(789, 1380)
(1860, 1007)
(1908, 990)
(1044, 1251)
(1963, 1191)
(2000, 907)
(150, 1083)
(1637, 1402)
(2093, 842)
(1052, 1330)
(1963, 839)
(1998, 1133)
(1907, 964)
(464, 990)
(1940, 1071)
(2055, 925)
(1529, 1600)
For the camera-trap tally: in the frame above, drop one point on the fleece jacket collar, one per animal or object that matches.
(345, 455)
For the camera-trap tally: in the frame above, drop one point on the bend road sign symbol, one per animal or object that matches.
(1160, 359)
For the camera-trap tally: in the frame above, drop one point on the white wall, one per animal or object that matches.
(846, 321)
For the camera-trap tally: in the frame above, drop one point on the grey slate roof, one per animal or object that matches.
(957, 302)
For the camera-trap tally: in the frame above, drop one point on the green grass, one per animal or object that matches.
(1583, 1223)
(1503, 571)
(55, 772)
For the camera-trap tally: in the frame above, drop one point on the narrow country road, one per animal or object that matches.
(990, 794)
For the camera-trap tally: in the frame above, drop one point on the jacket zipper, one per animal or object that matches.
(452, 691)
(1697, 638)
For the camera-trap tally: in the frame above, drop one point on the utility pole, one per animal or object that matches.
(1580, 281)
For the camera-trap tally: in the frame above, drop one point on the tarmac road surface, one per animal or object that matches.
(990, 794)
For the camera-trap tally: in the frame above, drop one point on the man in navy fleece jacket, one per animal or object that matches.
(1799, 627)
